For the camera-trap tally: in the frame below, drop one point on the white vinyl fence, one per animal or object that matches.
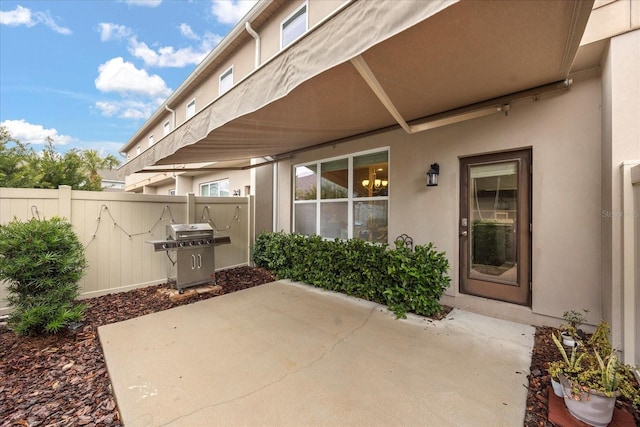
(113, 228)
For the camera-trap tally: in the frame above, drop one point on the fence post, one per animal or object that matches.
(191, 208)
(64, 202)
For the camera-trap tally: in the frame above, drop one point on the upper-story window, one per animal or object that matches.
(138, 150)
(166, 128)
(293, 26)
(226, 80)
(150, 140)
(191, 109)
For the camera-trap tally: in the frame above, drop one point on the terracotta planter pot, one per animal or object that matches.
(592, 407)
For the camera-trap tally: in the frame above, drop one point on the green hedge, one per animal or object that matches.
(403, 279)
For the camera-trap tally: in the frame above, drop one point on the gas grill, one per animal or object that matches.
(192, 245)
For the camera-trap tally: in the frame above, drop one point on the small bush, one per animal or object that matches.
(42, 261)
(405, 280)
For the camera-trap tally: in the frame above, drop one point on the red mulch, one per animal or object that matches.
(545, 351)
(62, 380)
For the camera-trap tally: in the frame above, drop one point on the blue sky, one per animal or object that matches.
(88, 73)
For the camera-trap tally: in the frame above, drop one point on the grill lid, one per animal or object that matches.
(189, 231)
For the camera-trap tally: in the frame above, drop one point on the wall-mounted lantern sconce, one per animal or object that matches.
(432, 175)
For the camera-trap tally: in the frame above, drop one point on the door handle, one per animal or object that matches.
(464, 233)
(193, 262)
(199, 261)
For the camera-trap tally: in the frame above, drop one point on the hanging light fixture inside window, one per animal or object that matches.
(432, 175)
(375, 184)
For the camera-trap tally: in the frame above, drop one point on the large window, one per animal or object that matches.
(166, 128)
(226, 81)
(294, 26)
(353, 200)
(219, 188)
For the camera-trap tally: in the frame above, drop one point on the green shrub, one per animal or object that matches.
(405, 280)
(42, 261)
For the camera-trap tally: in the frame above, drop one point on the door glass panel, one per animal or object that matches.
(493, 196)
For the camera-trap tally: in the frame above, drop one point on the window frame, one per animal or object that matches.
(150, 140)
(186, 111)
(351, 198)
(210, 183)
(292, 17)
(226, 73)
(166, 128)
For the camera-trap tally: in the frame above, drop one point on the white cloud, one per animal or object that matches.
(128, 108)
(34, 134)
(167, 56)
(122, 77)
(23, 16)
(109, 31)
(47, 20)
(144, 3)
(231, 11)
(107, 109)
(186, 31)
(19, 16)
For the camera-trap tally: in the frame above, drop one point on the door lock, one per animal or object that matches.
(464, 233)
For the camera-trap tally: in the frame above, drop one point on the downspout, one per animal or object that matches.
(173, 113)
(256, 36)
(173, 119)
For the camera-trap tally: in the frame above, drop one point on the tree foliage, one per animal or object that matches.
(22, 167)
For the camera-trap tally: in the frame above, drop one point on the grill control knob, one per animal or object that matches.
(209, 241)
(181, 244)
(165, 246)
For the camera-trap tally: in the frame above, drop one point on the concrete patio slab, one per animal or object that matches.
(285, 354)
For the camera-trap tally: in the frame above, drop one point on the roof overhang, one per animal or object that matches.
(428, 57)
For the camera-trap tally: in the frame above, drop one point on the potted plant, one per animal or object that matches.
(589, 381)
(569, 363)
(572, 335)
(555, 369)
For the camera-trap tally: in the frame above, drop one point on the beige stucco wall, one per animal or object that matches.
(318, 10)
(564, 133)
(263, 178)
(620, 143)
(635, 174)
